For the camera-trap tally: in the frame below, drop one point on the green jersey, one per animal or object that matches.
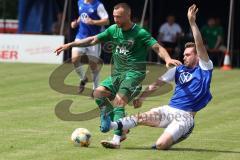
(129, 48)
(210, 34)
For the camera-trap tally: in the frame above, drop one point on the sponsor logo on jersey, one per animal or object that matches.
(124, 47)
(83, 17)
(122, 50)
(185, 77)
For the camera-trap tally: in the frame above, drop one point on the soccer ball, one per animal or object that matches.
(81, 137)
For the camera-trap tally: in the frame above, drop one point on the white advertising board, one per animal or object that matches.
(30, 48)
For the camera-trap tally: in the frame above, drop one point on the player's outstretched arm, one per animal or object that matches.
(89, 41)
(137, 103)
(167, 77)
(162, 52)
(201, 50)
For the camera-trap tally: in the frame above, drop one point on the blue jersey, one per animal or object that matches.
(88, 10)
(192, 91)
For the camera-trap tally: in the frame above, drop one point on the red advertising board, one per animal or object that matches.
(8, 26)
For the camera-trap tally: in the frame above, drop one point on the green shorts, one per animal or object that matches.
(128, 85)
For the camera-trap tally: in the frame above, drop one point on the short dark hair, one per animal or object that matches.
(124, 6)
(191, 45)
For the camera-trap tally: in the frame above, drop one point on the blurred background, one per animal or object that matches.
(53, 17)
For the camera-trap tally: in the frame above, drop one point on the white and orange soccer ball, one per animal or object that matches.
(81, 137)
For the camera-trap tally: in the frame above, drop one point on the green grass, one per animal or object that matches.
(30, 130)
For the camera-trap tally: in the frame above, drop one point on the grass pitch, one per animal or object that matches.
(30, 130)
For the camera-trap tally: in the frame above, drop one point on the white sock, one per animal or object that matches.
(95, 79)
(124, 123)
(114, 125)
(116, 139)
(129, 122)
(80, 71)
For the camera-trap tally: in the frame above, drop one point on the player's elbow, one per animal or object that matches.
(93, 40)
(106, 21)
(152, 87)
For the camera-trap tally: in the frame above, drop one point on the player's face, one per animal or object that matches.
(120, 17)
(211, 22)
(171, 19)
(190, 57)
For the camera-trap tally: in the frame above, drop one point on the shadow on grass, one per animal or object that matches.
(138, 148)
(184, 149)
(203, 150)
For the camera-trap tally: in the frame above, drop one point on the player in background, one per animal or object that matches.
(129, 65)
(192, 93)
(92, 17)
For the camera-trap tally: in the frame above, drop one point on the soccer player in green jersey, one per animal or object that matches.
(130, 43)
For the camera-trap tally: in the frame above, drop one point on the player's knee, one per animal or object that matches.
(119, 101)
(101, 92)
(97, 92)
(164, 142)
(164, 145)
(74, 60)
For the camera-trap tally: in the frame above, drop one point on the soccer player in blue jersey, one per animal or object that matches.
(192, 93)
(92, 16)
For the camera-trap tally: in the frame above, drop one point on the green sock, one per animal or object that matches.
(103, 102)
(119, 112)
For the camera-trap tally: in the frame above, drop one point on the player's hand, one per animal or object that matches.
(89, 21)
(137, 103)
(192, 11)
(74, 24)
(62, 48)
(172, 62)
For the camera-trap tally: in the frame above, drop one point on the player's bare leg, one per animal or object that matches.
(95, 68)
(76, 59)
(101, 92)
(150, 118)
(164, 142)
(153, 119)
